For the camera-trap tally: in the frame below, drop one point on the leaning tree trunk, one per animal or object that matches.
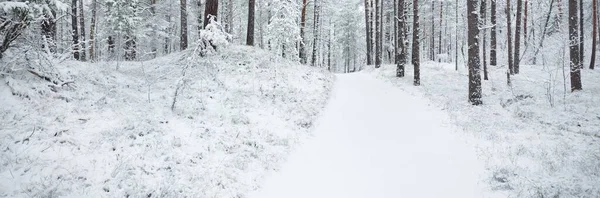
(250, 29)
(518, 36)
(594, 33)
(509, 39)
(493, 44)
(74, 28)
(415, 44)
(473, 43)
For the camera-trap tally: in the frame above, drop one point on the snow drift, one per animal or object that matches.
(176, 126)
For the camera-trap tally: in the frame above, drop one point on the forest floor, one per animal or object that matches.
(534, 138)
(113, 133)
(375, 140)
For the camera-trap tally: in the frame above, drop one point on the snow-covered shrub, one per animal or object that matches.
(212, 38)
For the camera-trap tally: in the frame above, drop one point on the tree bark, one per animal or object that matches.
(183, 43)
(74, 28)
(250, 29)
(432, 44)
(517, 52)
(574, 47)
(378, 34)
(440, 32)
(594, 33)
(415, 44)
(82, 31)
(401, 39)
(483, 12)
(93, 30)
(493, 42)
(315, 34)
(474, 62)
(302, 51)
(509, 39)
(581, 46)
(211, 9)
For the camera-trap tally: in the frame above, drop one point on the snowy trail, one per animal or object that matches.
(374, 140)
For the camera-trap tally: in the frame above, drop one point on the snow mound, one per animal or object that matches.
(536, 138)
(112, 133)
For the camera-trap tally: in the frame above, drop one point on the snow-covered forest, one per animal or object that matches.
(299, 98)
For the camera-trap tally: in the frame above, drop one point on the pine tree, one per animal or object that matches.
(518, 36)
(74, 28)
(574, 47)
(93, 30)
(401, 42)
(82, 31)
(483, 10)
(315, 33)
(183, 43)
(369, 33)
(473, 43)
(509, 39)
(493, 42)
(594, 33)
(250, 29)
(415, 44)
(378, 34)
(302, 50)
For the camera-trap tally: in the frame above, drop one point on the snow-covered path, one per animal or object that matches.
(373, 140)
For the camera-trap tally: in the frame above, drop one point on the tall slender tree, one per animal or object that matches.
(82, 31)
(432, 39)
(581, 48)
(440, 32)
(518, 36)
(401, 41)
(250, 30)
(594, 33)
(378, 34)
(369, 36)
(574, 47)
(302, 50)
(493, 42)
(183, 43)
(415, 44)
(75, 33)
(93, 30)
(474, 62)
(483, 13)
(315, 33)
(509, 38)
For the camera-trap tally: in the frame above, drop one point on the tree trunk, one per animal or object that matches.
(315, 34)
(183, 43)
(415, 44)
(594, 33)
(211, 9)
(581, 49)
(93, 30)
(517, 44)
(525, 39)
(302, 51)
(509, 39)
(82, 31)
(483, 12)
(544, 30)
(200, 15)
(378, 34)
(250, 30)
(574, 47)
(493, 42)
(474, 62)
(74, 28)
(401, 39)
(49, 31)
(432, 44)
(440, 32)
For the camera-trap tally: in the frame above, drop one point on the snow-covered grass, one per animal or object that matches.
(535, 139)
(113, 134)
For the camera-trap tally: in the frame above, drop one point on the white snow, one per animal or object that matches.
(375, 140)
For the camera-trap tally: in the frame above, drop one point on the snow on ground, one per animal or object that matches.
(113, 134)
(374, 140)
(535, 140)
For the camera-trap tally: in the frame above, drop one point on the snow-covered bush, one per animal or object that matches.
(212, 38)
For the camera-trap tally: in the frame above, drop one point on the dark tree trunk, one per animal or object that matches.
(525, 12)
(82, 31)
(574, 47)
(474, 62)
(440, 32)
(415, 44)
(581, 49)
(493, 45)
(509, 39)
(378, 34)
(250, 30)
(401, 39)
(369, 32)
(211, 9)
(74, 28)
(594, 33)
(183, 43)
(302, 51)
(483, 10)
(49, 31)
(93, 30)
(517, 53)
(432, 44)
